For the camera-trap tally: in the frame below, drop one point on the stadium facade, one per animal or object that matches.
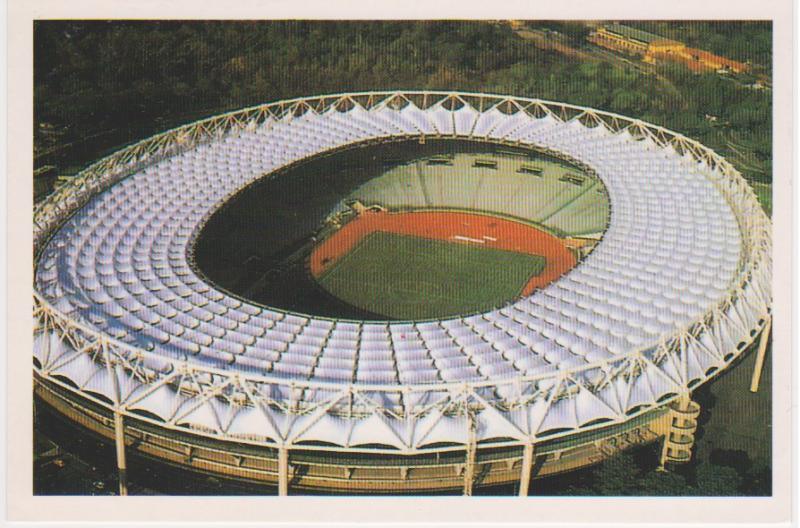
(133, 343)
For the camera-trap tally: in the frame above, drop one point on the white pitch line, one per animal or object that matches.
(468, 239)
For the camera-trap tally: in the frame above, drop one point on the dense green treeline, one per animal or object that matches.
(135, 78)
(727, 473)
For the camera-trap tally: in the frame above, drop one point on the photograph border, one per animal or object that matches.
(23, 505)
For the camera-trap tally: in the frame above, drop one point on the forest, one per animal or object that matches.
(101, 84)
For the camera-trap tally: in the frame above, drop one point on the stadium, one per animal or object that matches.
(444, 290)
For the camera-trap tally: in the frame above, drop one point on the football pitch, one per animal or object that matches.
(408, 277)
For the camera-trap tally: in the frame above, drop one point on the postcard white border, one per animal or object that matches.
(23, 506)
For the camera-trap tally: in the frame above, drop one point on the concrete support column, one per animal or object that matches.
(762, 352)
(469, 463)
(469, 470)
(119, 441)
(525, 471)
(283, 471)
(662, 458)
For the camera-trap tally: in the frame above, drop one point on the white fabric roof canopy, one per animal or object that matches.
(670, 252)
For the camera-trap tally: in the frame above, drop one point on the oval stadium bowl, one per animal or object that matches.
(128, 331)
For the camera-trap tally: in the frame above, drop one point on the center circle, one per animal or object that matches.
(405, 230)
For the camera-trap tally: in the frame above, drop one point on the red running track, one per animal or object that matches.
(494, 232)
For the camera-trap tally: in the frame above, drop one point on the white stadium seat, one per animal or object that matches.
(671, 250)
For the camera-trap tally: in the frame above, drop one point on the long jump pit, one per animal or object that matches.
(431, 264)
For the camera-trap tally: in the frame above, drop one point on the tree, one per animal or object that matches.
(663, 483)
(119, 78)
(716, 480)
(615, 475)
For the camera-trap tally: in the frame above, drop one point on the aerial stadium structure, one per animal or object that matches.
(135, 343)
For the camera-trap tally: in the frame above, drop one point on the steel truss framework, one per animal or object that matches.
(489, 413)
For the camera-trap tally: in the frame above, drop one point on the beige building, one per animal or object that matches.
(623, 38)
(654, 49)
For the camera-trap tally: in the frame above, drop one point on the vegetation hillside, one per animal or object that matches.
(100, 84)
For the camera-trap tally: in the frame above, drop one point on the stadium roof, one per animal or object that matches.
(637, 321)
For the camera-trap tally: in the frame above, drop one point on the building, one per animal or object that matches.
(696, 60)
(654, 49)
(618, 37)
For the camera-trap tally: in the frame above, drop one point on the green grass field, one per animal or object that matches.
(406, 277)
